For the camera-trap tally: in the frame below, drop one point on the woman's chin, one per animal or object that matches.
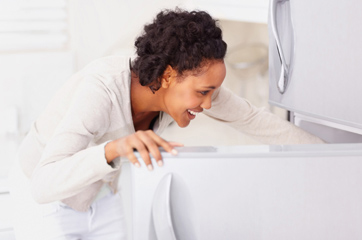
(183, 124)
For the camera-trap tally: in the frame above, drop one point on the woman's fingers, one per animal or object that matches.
(132, 158)
(146, 143)
(133, 142)
(176, 144)
(163, 143)
(150, 146)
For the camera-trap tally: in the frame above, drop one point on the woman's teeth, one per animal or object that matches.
(192, 112)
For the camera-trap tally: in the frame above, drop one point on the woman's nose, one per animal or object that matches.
(206, 104)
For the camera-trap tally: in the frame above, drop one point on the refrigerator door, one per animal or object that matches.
(315, 59)
(251, 192)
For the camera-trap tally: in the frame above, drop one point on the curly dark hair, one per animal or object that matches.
(179, 38)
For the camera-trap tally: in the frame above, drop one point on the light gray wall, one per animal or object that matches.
(100, 28)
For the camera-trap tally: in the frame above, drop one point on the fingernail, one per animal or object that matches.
(137, 165)
(150, 167)
(160, 163)
(174, 152)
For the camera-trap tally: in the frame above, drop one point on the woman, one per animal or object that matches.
(71, 156)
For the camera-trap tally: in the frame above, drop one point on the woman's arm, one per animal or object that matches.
(68, 163)
(257, 123)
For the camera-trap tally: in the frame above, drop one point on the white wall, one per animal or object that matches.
(104, 27)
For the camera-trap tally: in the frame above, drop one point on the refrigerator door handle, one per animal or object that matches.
(283, 79)
(161, 210)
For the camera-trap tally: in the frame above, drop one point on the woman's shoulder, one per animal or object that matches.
(108, 64)
(112, 72)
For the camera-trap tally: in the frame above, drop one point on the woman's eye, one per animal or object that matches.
(204, 92)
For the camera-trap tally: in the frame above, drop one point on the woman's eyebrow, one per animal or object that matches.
(211, 87)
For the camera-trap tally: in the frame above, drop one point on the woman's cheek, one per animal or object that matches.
(192, 102)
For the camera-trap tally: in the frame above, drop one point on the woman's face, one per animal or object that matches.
(190, 95)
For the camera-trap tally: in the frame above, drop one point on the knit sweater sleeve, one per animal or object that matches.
(69, 162)
(257, 123)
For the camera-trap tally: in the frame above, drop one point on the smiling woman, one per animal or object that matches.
(71, 157)
(185, 96)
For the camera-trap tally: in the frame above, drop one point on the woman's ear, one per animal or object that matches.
(167, 77)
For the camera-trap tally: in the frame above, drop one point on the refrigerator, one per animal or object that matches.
(315, 63)
(273, 191)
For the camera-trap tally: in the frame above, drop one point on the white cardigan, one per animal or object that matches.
(63, 154)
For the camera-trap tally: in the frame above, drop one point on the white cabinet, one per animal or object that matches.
(237, 10)
(250, 192)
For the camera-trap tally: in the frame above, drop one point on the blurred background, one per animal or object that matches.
(42, 43)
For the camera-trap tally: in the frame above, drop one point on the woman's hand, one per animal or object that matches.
(145, 142)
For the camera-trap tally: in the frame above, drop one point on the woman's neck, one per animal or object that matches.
(143, 101)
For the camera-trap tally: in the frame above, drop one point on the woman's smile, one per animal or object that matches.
(186, 97)
(192, 114)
